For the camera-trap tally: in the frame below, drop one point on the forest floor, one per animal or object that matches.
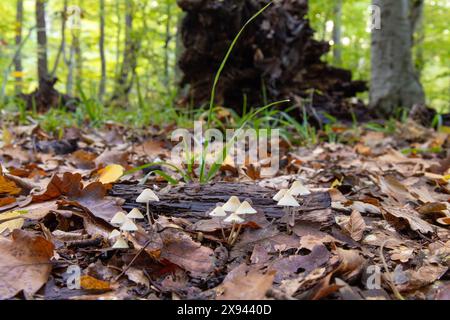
(373, 221)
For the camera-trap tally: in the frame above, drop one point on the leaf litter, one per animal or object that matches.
(372, 210)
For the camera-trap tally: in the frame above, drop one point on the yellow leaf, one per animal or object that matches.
(111, 173)
(90, 283)
(447, 177)
(11, 224)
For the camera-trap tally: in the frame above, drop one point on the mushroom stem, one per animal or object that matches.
(231, 233)
(151, 220)
(223, 231)
(236, 236)
(288, 223)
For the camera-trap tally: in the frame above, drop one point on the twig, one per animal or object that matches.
(389, 279)
(133, 260)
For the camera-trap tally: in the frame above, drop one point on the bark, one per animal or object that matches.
(101, 90)
(43, 75)
(394, 82)
(277, 50)
(18, 40)
(194, 200)
(168, 38)
(129, 60)
(417, 12)
(62, 46)
(337, 33)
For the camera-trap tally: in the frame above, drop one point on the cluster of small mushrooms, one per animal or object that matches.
(126, 222)
(286, 198)
(232, 212)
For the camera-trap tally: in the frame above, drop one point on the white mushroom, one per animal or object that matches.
(135, 214)
(114, 234)
(218, 212)
(234, 218)
(298, 189)
(129, 225)
(289, 202)
(120, 244)
(245, 208)
(280, 194)
(119, 218)
(146, 197)
(232, 204)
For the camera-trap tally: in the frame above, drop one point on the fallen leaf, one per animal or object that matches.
(394, 189)
(110, 173)
(69, 184)
(288, 266)
(90, 283)
(8, 187)
(421, 277)
(355, 226)
(24, 263)
(16, 223)
(181, 250)
(247, 286)
(399, 217)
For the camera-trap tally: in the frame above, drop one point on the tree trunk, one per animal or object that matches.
(62, 46)
(18, 58)
(394, 82)
(43, 76)
(78, 51)
(127, 71)
(337, 33)
(101, 90)
(417, 11)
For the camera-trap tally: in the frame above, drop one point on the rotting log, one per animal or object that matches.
(276, 58)
(195, 200)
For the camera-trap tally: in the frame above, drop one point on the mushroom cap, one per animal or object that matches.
(119, 218)
(232, 204)
(120, 244)
(288, 201)
(114, 234)
(280, 194)
(129, 225)
(298, 189)
(146, 196)
(233, 218)
(218, 212)
(245, 208)
(135, 214)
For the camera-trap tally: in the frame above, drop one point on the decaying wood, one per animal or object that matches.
(194, 200)
(276, 54)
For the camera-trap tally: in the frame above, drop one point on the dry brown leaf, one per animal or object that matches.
(394, 189)
(24, 263)
(94, 198)
(402, 217)
(247, 286)
(423, 276)
(351, 263)
(181, 250)
(8, 187)
(69, 184)
(355, 226)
